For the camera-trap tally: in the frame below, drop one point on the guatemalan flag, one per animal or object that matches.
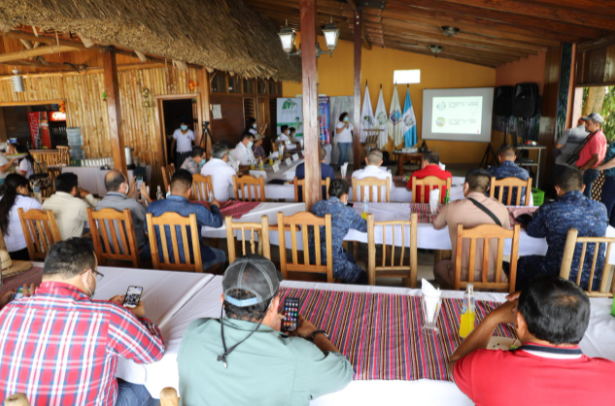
(409, 122)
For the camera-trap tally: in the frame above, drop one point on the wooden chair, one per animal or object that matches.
(40, 230)
(274, 146)
(262, 233)
(167, 174)
(300, 183)
(371, 139)
(250, 187)
(301, 221)
(431, 182)
(487, 232)
(202, 187)
(188, 237)
(122, 246)
(607, 269)
(395, 269)
(359, 189)
(169, 397)
(513, 184)
(18, 399)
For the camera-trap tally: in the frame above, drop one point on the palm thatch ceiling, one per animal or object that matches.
(492, 32)
(219, 34)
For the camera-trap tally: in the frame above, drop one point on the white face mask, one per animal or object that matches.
(250, 144)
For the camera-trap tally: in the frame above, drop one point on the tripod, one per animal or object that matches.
(203, 143)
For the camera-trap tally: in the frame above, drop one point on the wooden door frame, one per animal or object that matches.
(266, 100)
(159, 102)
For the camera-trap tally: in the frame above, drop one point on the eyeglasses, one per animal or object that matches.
(97, 275)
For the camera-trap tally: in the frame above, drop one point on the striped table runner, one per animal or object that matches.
(423, 211)
(233, 208)
(33, 275)
(381, 333)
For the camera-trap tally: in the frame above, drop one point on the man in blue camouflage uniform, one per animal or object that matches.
(553, 220)
(343, 218)
(508, 169)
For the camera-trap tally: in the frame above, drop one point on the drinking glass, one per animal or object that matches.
(431, 306)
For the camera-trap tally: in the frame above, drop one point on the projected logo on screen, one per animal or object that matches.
(457, 115)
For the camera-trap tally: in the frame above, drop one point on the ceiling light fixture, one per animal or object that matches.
(449, 30)
(436, 49)
(330, 31)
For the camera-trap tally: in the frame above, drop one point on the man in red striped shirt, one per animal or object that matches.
(60, 347)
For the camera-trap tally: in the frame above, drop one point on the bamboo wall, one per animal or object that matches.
(85, 107)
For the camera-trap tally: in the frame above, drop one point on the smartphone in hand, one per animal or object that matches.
(133, 296)
(19, 293)
(290, 310)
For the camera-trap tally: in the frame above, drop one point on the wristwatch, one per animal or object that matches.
(315, 333)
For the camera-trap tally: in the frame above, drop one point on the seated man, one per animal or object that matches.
(343, 218)
(286, 139)
(243, 151)
(244, 359)
(121, 196)
(474, 210)
(326, 171)
(430, 166)
(179, 202)
(73, 342)
(221, 173)
(553, 220)
(508, 169)
(373, 160)
(195, 161)
(550, 318)
(68, 207)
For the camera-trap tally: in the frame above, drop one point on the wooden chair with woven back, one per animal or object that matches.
(252, 189)
(488, 280)
(398, 266)
(40, 230)
(301, 222)
(431, 183)
(189, 234)
(362, 186)
(371, 139)
(605, 289)
(256, 239)
(114, 237)
(300, 183)
(202, 187)
(514, 187)
(167, 174)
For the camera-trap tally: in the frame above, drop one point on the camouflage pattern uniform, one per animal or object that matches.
(343, 218)
(508, 169)
(553, 220)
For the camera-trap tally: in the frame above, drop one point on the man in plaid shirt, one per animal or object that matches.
(60, 347)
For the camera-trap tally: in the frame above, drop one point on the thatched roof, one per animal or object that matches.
(219, 34)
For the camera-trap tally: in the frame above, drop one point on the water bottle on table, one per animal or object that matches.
(468, 312)
(365, 207)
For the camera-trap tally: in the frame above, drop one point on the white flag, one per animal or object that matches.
(381, 121)
(394, 128)
(367, 115)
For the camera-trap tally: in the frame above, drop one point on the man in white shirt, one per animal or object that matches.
(373, 170)
(68, 206)
(182, 137)
(221, 173)
(287, 140)
(243, 151)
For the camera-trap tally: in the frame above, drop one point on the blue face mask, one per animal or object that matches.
(202, 163)
(254, 125)
(184, 127)
(346, 119)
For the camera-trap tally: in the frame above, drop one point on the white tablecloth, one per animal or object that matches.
(599, 341)
(92, 178)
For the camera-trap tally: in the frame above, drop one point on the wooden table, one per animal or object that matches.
(407, 156)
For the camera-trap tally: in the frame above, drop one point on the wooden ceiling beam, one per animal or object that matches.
(443, 55)
(584, 6)
(499, 20)
(534, 9)
(30, 53)
(42, 39)
(596, 44)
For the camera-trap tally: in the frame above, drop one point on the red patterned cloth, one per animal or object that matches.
(516, 211)
(381, 333)
(423, 211)
(234, 208)
(32, 275)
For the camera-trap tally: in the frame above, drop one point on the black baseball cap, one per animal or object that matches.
(252, 273)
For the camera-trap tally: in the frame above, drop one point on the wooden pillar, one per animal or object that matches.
(311, 130)
(113, 109)
(358, 42)
(205, 100)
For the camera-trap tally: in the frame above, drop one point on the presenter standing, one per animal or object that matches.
(343, 131)
(183, 138)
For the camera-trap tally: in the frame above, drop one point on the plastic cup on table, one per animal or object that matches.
(431, 304)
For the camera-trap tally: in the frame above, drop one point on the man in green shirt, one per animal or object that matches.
(244, 359)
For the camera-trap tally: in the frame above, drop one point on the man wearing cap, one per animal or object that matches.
(243, 358)
(593, 151)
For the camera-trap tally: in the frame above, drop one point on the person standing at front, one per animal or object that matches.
(182, 139)
(343, 131)
(593, 152)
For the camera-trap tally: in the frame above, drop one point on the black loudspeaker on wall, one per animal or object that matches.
(502, 104)
(526, 100)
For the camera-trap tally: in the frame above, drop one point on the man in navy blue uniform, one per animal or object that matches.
(508, 169)
(553, 220)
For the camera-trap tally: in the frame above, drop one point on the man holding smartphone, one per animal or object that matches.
(244, 358)
(73, 342)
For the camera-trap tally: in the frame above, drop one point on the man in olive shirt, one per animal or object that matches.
(244, 359)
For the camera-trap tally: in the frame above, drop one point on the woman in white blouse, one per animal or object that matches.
(344, 137)
(26, 166)
(15, 194)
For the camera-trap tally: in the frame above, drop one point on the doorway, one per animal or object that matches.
(172, 110)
